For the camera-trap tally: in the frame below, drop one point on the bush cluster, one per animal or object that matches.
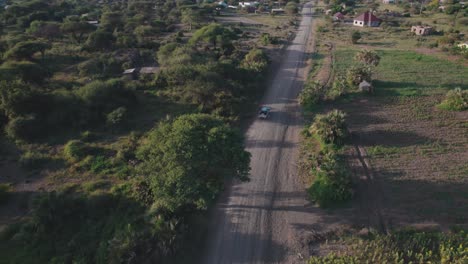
(332, 183)
(404, 246)
(455, 100)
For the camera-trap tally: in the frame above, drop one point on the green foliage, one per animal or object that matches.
(367, 57)
(75, 150)
(116, 117)
(187, 160)
(355, 37)
(291, 8)
(405, 246)
(42, 29)
(332, 183)
(267, 39)
(330, 128)
(176, 54)
(102, 66)
(26, 50)
(214, 34)
(358, 73)
(24, 70)
(256, 61)
(311, 94)
(100, 40)
(77, 29)
(108, 227)
(25, 128)
(101, 98)
(455, 100)
(338, 88)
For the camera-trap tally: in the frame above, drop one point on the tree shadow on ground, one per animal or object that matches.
(416, 201)
(388, 138)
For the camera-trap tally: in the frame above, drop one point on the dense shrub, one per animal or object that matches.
(116, 117)
(367, 57)
(186, 161)
(25, 128)
(101, 98)
(100, 40)
(358, 73)
(24, 70)
(267, 39)
(332, 183)
(330, 128)
(26, 50)
(455, 100)
(355, 37)
(311, 93)
(75, 150)
(109, 227)
(256, 61)
(404, 246)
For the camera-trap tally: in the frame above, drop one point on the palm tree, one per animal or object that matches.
(368, 57)
(331, 127)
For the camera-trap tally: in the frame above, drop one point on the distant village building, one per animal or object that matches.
(421, 30)
(277, 11)
(134, 73)
(247, 4)
(328, 12)
(93, 22)
(367, 19)
(338, 16)
(388, 1)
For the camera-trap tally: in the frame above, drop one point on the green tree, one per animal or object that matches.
(291, 8)
(112, 20)
(100, 40)
(355, 37)
(190, 17)
(331, 128)
(77, 29)
(368, 57)
(358, 73)
(26, 49)
(214, 34)
(187, 160)
(24, 70)
(48, 30)
(256, 60)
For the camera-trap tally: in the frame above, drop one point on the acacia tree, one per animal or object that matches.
(186, 160)
(213, 33)
(256, 60)
(190, 17)
(368, 57)
(77, 29)
(26, 49)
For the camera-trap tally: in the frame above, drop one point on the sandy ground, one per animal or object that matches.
(268, 219)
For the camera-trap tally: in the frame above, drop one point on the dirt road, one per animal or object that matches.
(269, 220)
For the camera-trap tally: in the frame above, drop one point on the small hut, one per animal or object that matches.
(364, 86)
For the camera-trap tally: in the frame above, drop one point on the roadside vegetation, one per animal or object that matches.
(118, 123)
(408, 130)
(405, 246)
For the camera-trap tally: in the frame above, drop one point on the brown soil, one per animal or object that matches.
(411, 166)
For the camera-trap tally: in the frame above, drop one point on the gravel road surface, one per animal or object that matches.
(268, 219)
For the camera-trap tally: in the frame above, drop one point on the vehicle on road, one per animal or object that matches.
(264, 112)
